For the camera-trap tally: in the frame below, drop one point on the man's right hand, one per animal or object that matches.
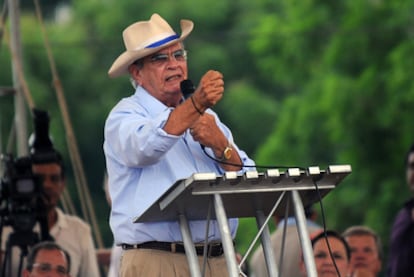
(210, 90)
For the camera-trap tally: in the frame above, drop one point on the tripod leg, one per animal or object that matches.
(6, 261)
(23, 253)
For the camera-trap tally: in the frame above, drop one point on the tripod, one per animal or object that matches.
(21, 239)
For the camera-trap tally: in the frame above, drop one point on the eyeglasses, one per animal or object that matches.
(163, 58)
(54, 178)
(48, 268)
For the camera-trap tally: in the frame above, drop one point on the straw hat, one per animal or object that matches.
(146, 37)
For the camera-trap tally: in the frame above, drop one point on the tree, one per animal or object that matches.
(348, 106)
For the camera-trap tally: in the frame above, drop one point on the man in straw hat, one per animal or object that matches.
(152, 140)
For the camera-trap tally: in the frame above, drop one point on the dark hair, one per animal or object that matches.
(331, 233)
(410, 150)
(364, 231)
(44, 245)
(54, 157)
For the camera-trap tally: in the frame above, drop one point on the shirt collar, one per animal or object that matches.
(61, 219)
(151, 104)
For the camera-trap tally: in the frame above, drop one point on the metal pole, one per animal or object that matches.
(20, 119)
(304, 235)
(267, 245)
(226, 238)
(189, 247)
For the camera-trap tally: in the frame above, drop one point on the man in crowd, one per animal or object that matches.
(47, 259)
(155, 138)
(366, 251)
(401, 250)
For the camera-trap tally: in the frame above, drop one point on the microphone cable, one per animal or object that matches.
(319, 196)
(188, 88)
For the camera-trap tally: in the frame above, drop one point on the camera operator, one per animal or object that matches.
(69, 231)
(40, 178)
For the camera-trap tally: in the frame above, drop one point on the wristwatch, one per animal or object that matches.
(226, 153)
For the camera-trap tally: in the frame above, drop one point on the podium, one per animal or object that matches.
(252, 194)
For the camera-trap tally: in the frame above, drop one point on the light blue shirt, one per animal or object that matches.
(143, 162)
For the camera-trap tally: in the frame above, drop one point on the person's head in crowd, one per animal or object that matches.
(50, 171)
(366, 249)
(339, 249)
(409, 165)
(47, 259)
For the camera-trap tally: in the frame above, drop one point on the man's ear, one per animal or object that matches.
(379, 264)
(135, 73)
(131, 69)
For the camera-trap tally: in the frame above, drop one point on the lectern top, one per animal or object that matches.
(243, 194)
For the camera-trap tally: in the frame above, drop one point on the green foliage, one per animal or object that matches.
(237, 112)
(352, 107)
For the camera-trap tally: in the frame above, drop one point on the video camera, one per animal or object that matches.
(21, 191)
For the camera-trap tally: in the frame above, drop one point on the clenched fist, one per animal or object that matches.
(209, 90)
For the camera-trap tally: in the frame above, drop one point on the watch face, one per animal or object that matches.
(227, 153)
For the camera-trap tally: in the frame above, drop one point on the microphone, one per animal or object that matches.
(187, 88)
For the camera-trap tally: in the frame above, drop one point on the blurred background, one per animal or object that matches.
(308, 83)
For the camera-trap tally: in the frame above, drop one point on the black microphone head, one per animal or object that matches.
(187, 88)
